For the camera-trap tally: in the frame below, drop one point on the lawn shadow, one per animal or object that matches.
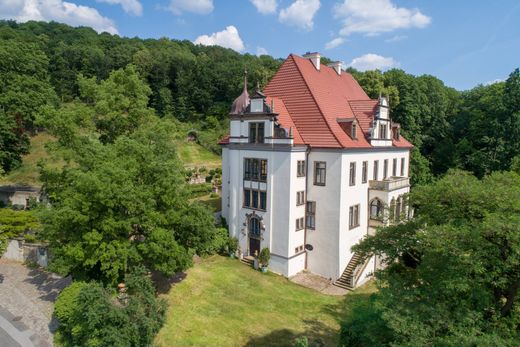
(163, 284)
(48, 284)
(317, 334)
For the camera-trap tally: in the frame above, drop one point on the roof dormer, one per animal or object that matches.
(350, 126)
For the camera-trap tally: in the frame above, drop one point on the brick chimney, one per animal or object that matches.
(315, 58)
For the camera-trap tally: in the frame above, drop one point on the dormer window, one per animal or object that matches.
(257, 105)
(349, 126)
(256, 132)
(353, 132)
(382, 131)
(396, 131)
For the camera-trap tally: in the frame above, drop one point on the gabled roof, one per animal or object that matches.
(316, 99)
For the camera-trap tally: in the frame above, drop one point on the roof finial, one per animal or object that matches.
(258, 85)
(245, 79)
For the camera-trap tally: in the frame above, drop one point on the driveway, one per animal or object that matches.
(26, 304)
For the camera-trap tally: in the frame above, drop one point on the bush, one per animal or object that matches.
(214, 195)
(232, 244)
(264, 256)
(90, 316)
(301, 342)
(29, 238)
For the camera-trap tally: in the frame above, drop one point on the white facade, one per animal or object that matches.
(332, 238)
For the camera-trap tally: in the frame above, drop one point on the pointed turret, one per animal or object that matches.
(240, 104)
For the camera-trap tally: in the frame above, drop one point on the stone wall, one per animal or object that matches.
(19, 250)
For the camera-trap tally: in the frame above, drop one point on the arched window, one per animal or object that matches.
(254, 227)
(376, 209)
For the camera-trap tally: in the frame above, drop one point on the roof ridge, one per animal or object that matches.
(315, 101)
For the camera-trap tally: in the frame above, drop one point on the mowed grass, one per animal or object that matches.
(194, 155)
(28, 172)
(223, 302)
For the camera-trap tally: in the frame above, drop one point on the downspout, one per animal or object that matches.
(307, 151)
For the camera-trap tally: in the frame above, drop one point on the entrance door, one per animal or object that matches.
(254, 236)
(254, 246)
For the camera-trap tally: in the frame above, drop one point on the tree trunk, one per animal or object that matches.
(510, 298)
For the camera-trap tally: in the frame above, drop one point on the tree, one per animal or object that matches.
(452, 274)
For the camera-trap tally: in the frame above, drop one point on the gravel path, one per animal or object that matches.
(26, 300)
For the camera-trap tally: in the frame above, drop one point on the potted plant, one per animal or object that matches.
(264, 258)
(232, 246)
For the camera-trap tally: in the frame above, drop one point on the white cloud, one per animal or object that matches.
(497, 80)
(228, 38)
(193, 6)
(56, 10)
(261, 51)
(129, 6)
(372, 17)
(334, 43)
(372, 62)
(265, 6)
(300, 13)
(397, 38)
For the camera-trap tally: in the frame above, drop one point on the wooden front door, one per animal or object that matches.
(254, 246)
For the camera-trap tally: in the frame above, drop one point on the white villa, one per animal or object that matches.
(310, 166)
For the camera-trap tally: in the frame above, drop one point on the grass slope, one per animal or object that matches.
(191, 154)
(28, 172)
(222, 302)
(194, 155)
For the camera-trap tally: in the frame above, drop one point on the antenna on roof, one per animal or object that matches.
(258, 85)
(245, 79)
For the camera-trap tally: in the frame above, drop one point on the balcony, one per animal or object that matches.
(390, 184)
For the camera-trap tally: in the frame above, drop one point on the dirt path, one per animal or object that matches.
(26, 301)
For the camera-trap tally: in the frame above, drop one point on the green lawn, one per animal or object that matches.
(222, 302)
(194, 155)
(214, 203)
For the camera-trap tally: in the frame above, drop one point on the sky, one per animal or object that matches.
(464, 43)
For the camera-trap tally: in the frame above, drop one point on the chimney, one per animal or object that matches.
(336, 66)
(315, 58)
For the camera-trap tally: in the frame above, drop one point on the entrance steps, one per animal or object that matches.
(248, 260)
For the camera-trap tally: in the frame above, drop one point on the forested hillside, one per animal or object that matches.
(41, 65)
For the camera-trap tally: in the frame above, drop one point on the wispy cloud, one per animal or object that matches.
(194, 6)
(133, 7)
(265, 6)
(338, 41)
(396, 38)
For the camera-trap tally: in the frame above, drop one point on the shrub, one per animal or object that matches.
(214, 195)
(301, 342)
(264, 256)
(232, 244)
(29, 238)
(90, 316)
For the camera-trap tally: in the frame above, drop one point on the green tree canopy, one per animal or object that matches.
(452, 274)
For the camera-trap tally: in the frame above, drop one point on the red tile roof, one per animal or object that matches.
(315, 99)
(285, 119)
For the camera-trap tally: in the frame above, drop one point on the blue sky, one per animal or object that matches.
(464, 43)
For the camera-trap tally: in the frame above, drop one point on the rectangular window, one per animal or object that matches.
(352, 176)
(300, 198)
(263, 200)
(402, 167)
(298, 249)
(364, 172)
(385, 169)
(255, 169)
(394, 167)
(376, 169)
(255, 199)
(300, 223)
(301, 168)
(256, 132)
(310, 215)
(353, 216)
(320, 173)
(247, 197)
(382, 131)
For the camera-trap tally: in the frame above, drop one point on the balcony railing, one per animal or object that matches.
(390, 184)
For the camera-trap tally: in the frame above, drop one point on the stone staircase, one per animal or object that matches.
(249, 261)
(346, 281)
